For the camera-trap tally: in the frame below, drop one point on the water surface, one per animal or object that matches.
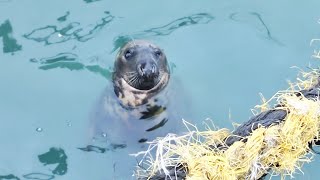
(56, 59)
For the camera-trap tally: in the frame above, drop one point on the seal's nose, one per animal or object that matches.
(147, 70)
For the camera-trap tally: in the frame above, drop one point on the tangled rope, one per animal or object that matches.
(277, 140)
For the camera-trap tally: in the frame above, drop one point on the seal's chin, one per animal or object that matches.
(146, 83)
(130, 96)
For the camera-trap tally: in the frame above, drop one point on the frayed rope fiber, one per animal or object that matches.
(277, 140)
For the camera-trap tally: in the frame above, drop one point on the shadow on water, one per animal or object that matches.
(70, 61)
(255, 19)
(200, 18)
(10, 44)
(52, 34)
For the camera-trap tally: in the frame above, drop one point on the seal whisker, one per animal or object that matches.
(131, 72)
(132, 79)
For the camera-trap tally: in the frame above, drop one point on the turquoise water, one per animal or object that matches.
(57, 59)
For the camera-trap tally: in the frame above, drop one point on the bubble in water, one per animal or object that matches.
(104, 134)
(39, 129)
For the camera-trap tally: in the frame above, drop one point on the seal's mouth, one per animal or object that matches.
(143, 82)
(150, 86)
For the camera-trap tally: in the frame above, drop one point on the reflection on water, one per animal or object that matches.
(10, 44)
(64, 17)
(200, 18)
(55, 156)
(70, 61)
(10, 176)
(256, 20)
(52, 34)
(38, 176)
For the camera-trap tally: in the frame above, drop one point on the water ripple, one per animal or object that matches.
(64, 17)
(38, 176)
(52, 34)
(200, 18)
(92, 148)
(257, 21)
(9, 177)
(71, 62)
(97, 149)
(10, 44)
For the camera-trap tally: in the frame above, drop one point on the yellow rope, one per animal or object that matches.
(278, 149)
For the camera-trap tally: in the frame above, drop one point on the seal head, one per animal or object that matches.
(140, 72)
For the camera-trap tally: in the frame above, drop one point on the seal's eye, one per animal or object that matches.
(128, 53)
(157, 52)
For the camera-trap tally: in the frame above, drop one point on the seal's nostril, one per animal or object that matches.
(147, 70)
(140, 69)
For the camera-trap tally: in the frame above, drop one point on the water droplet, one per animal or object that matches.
(39, 129)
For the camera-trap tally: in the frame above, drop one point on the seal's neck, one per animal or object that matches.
(132, 97)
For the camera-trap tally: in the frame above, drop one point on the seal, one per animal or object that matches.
(141, 101)
(140, 72)
(138, 105)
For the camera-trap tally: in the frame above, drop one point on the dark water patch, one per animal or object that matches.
(114, 146)
(61, 60)
(255, 19)
(90, 1)
(71, 62)
(91, 148)
(97, 149)
(64, 17)
(65, 57)
(55, 156)
(9, 176)
(10, 44)
(142, 140)
(38, 176)
(52, 34)
(200, 18)
(99, 70)
(68, 65)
